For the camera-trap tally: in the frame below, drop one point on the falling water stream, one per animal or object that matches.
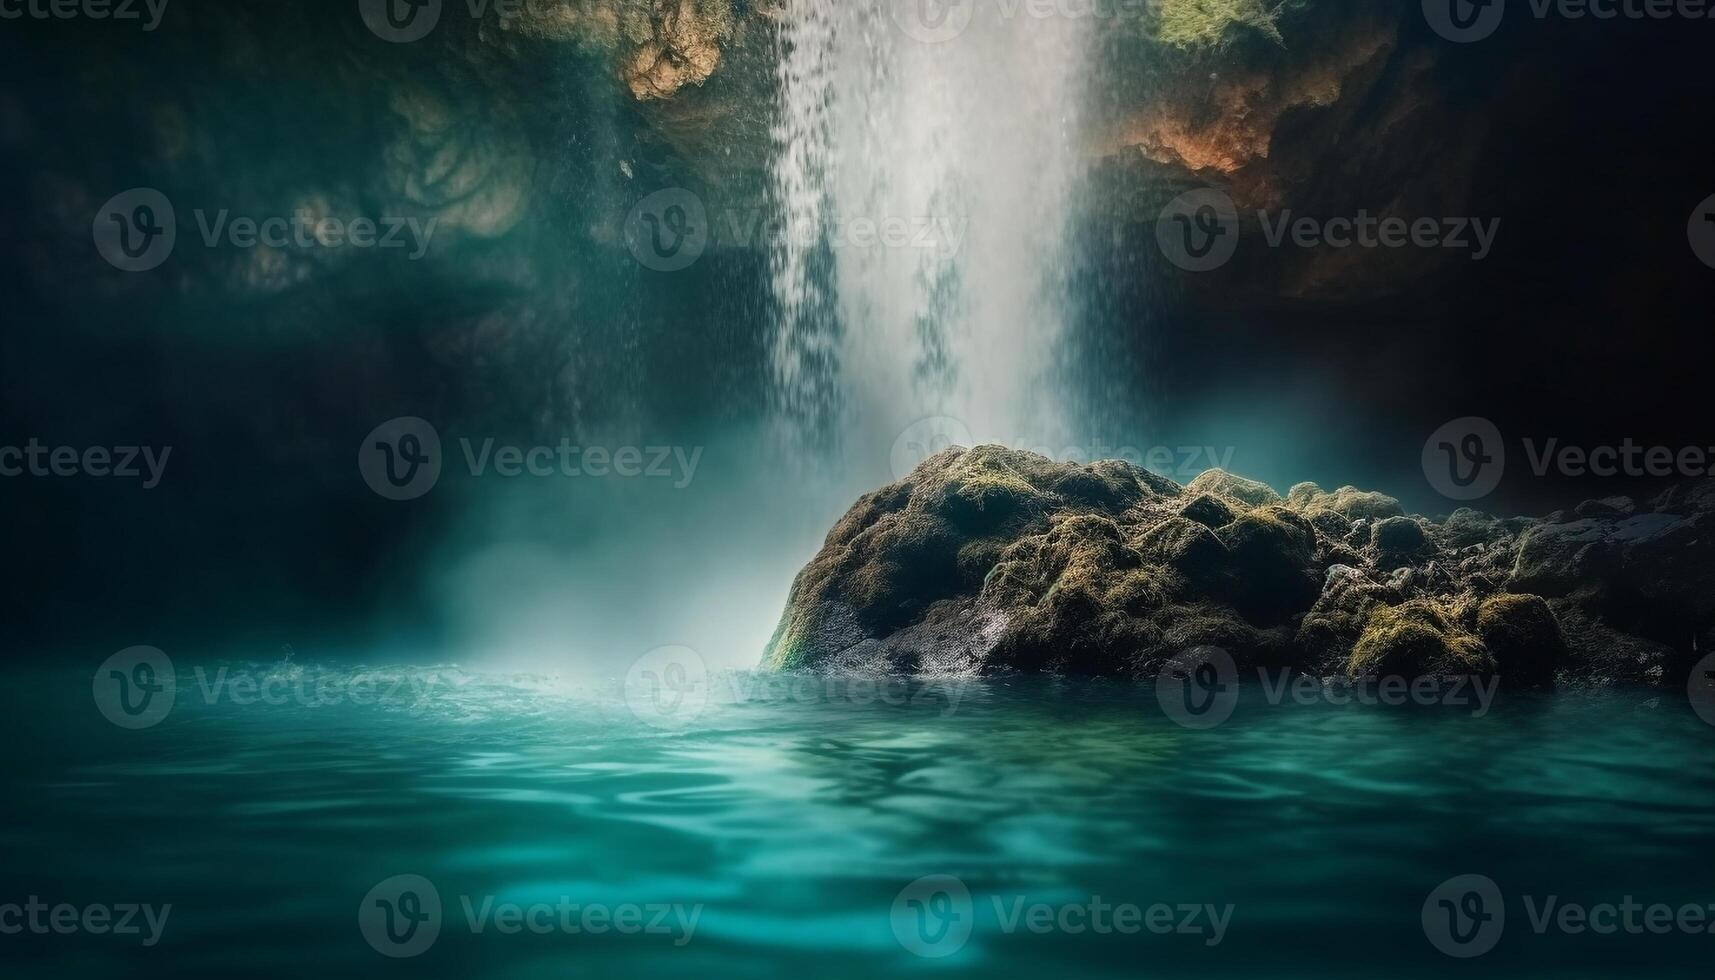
(952, 130)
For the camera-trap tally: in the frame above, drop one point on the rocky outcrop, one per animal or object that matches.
(991, 560)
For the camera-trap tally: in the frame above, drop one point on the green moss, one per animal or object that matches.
(1525, 637)
(1272, 551)
(1348, 502)
(1246, 493)
(1206, 23)
(1417, 639)
(1189, 548)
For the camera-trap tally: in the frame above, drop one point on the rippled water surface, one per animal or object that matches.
(790, 825)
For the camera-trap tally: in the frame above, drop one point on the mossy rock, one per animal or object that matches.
(1329, 525)
(1195, 24)
(1348, 502)
(1418, 639)
(1208, 510)
(1399, 536)
(1525, 638)
(1250, 493)
(1332, 626)
(989, 560)
(1271, 569)
(1189, 548)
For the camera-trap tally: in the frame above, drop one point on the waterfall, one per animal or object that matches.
(926, 161)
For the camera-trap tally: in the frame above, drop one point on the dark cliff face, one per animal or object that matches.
(524, 141)
(989, 560)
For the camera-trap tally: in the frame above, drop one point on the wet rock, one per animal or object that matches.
(991, 560)
(1466, 527)
(1333, 625)
(1416, 639)
(1554, 559)
(1330, 525)
(1669, 562)
(1606, 507)
(1271, 571)
(1351, 503)
(1525, 638)
(1207, 510)
(1691, 497)
(1189, 548)
(1250, 493)
(1399, 537)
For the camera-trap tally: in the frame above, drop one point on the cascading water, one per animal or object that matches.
(927, 158)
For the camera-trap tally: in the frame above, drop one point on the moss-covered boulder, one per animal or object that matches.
(1247, 493)
(1272, 572)
(1419, 638)
(1206, 509)
(990, 560)
(1188, 548)
(1524, 637)
(1348, 502)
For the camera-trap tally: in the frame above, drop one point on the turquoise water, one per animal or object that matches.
(784, 823)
